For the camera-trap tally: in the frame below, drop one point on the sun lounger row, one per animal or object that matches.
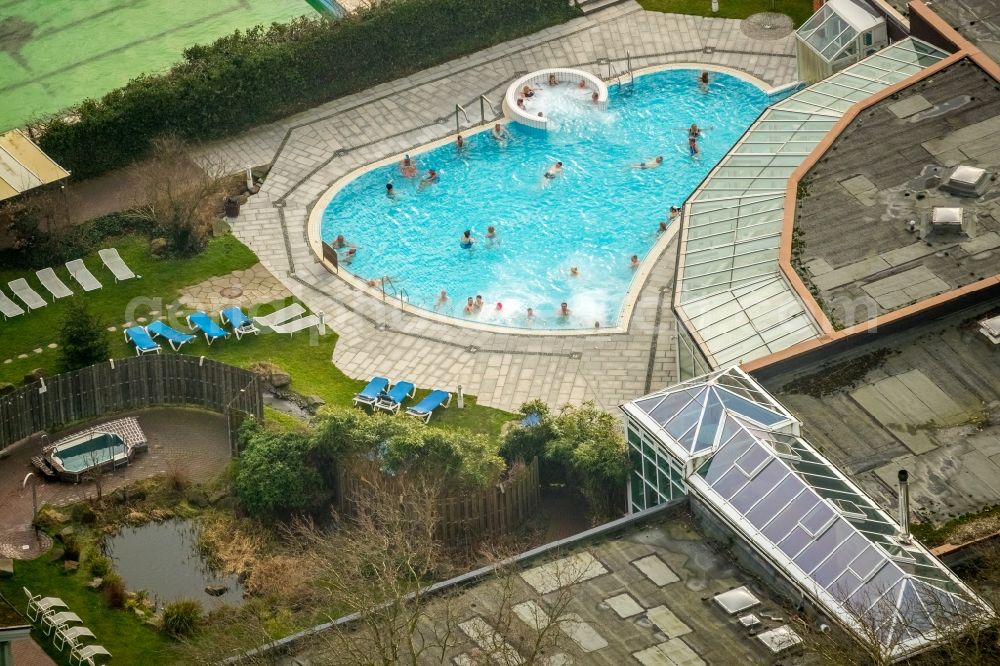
(65, 627)
(381, 394)
(56, 287)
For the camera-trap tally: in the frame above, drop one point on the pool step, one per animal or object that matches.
(591, 6)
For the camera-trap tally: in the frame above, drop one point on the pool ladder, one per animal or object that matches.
(618, 76)
(393, 292)
(484, 103)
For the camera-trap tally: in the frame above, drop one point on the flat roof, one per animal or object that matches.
(818, 528)
(639, 598)
(925, 399)
(884, 170)
(976, 20)
(730, 289)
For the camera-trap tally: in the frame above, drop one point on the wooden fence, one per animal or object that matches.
(463, 519)
(128, 384)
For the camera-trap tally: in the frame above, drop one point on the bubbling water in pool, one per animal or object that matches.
(594, 216)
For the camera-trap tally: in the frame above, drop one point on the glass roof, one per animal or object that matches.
(692, 413)
(782, 495)
(732, 229)
(831, 32)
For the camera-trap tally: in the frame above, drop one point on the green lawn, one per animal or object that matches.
(127, 639)
(799, 10)
(160, 284)
(305, 356)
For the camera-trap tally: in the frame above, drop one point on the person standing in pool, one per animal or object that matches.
(491, 235)
(531, 315)
(442, 300)
(634, 263)
(553, 81)
(564, 311)
(407, 167)
(479, 302)
(594, 97)
(500, 133)
(429, 179)
(662, 229)
(703, 81)
(466, 241)
(389, 191)
(459, 143)
(470, 306)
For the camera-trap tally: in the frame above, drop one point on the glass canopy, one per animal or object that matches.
(731, 291)
(815, 526)
(832, 32)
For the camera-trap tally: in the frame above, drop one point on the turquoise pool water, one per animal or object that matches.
(91, 452)
(594, 216)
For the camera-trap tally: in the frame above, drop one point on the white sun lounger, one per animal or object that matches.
(281, 316)
(82, 274)
(86, 654)
(116, 264)
(28, 296)
(296, 325)
(9, 308)
(71, 636)
(51, 281)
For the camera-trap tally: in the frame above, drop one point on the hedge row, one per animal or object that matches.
(269, 72)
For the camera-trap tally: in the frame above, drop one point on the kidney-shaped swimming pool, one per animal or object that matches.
(568, 239)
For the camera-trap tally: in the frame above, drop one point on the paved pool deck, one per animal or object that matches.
(311, 151)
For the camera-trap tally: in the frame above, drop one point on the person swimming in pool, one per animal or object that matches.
(429, 179)
(470, 306)
(348, 257)
(531, 315)
(479, 302)
(574, 271)
(634, 263)
(442, 300)
(491, 234)
(389, 191)
(649, 164)
(554, 170)
(407, 167)
(694, 132)
(466, 241)
(500, 132)
(564, 310)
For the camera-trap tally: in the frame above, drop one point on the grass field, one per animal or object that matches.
(799, 10)
(305, 356)
(56, 53)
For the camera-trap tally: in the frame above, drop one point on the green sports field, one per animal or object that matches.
(55, 53)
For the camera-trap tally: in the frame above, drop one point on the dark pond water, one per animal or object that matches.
(163, 559)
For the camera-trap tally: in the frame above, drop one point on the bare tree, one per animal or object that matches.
(179, 196)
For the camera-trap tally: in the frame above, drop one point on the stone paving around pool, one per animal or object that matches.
(245, 288)
(192, 441)
(312, 150)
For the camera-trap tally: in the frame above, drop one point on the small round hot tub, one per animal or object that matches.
(548, 87)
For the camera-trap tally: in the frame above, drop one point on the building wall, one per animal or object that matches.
(656, 476)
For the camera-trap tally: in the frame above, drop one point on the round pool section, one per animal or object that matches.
(598, 213)
(572, 87)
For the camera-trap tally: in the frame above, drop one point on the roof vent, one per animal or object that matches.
(949, 222)
(967, 181)
(904, 507)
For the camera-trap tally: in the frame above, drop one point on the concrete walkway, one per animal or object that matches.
(310, 151)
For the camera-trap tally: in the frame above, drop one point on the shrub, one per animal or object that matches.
(71, 548)
(181, 617)
(83, 339)
(114, 591)
(251, 77)
(99, 565)
(272, 474)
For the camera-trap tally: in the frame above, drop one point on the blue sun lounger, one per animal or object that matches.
(176, 339)
(144, 344)
(392, 400)
(202, 322)
(370, 393)
(242, 324)
(424, 409)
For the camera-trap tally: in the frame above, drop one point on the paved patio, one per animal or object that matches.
(312, 150)
(192, 441)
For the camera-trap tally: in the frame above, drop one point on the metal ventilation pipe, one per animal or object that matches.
(904, 506)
